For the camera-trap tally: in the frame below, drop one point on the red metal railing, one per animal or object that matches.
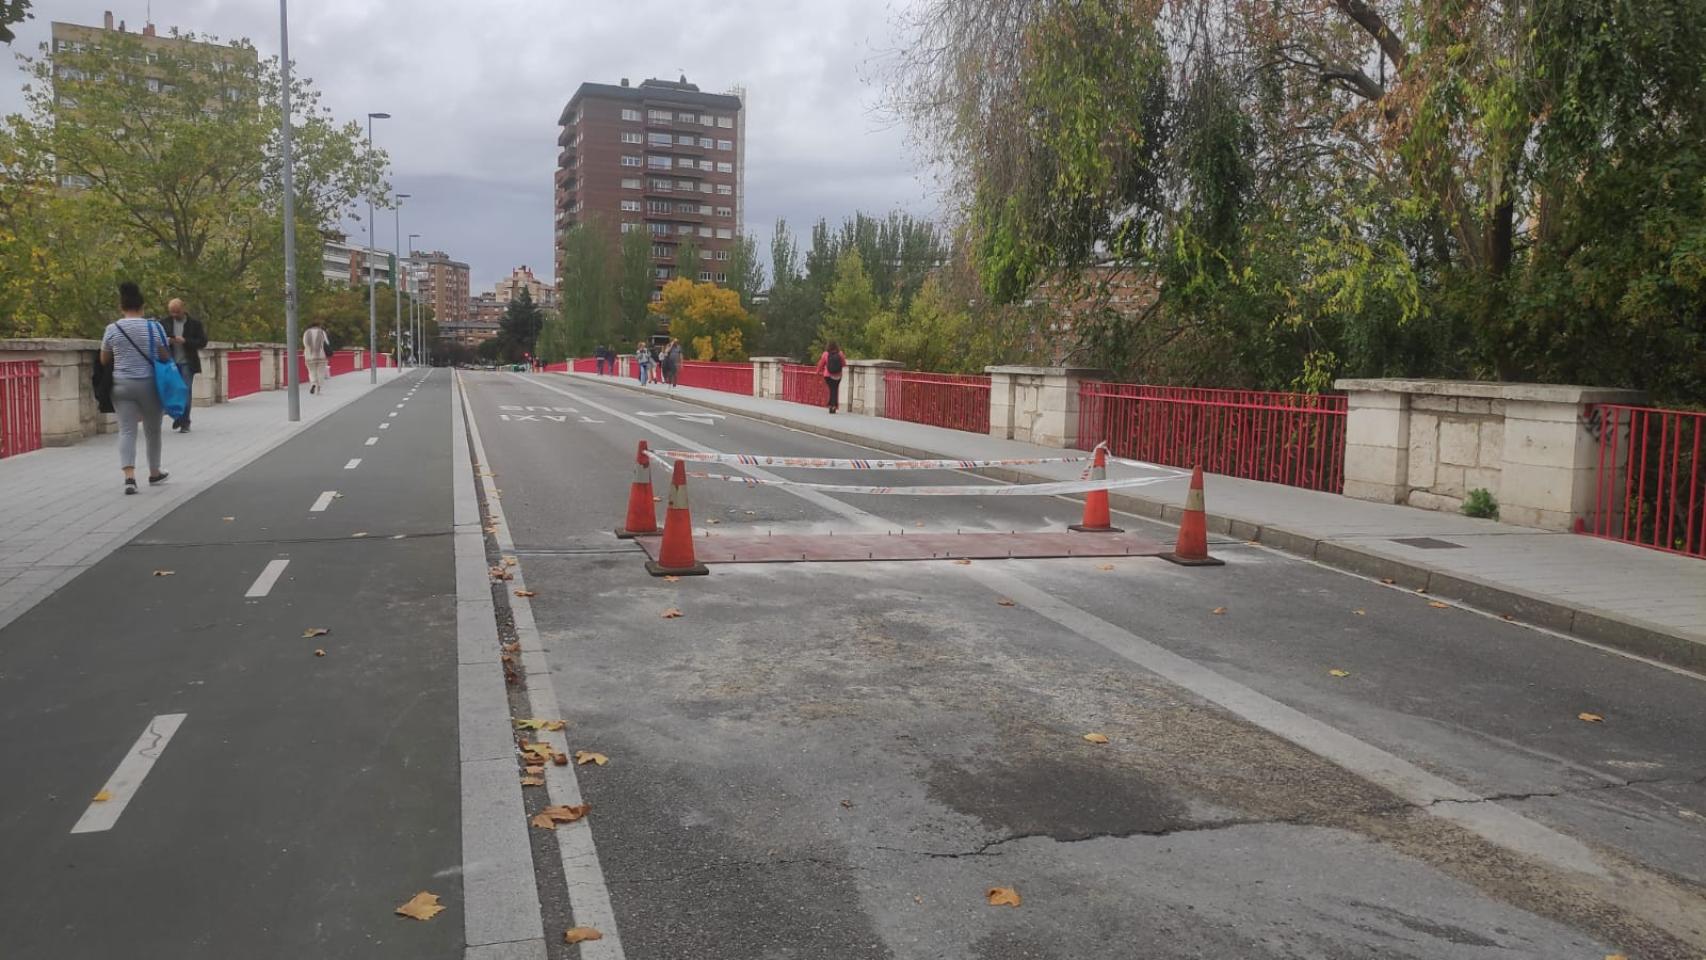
(727, 377)
(242, 373)
(561, 366)
(342, 362)
(586, 365)
(1291, 438)
(20, 407)
(802, 384)
(939, 399)
(1650, 487)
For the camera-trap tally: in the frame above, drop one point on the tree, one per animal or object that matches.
(518, 332)
(587, 311)
(12, 11)
(746, 270)
(849, 307)
(174, 182)
(706, 312)
(688, 262)
(634, 288)
(792, 313)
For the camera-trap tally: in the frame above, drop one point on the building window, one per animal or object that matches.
(629, 227)
(705, 142)
(687, 206)
(725, 189)
(663, 251)
(661, 185)
(726, 123)
(661, 273)
(705, 165)
(658, 116)
(686, 185)
(630, 183)
(631, 205)
(704, 275)
(686, 163)
(629, 160)
(705, 208)
(707, 120)
(685, 229)
(684, 140)
(658, 206)
(725, 167)
(725, 144)
(705, 255)
(628, 136)
(659, 139)
(722, 278)
(704, 231)
(630, 114)
(687, 117)
(705, 187)
(722, 255)
(724, 233)
(658, 229)
(725, 211)
(657, 163)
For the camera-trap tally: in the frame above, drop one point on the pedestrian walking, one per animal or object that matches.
(598, 359)
(643, 360)
(188, 338)
(672, 363)
(315, 350)
(130, 345)
(829, 366)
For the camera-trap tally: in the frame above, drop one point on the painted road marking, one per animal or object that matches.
(371, 441)
(392, 414)
(122, 785)
(269, 576)
(385, 426)
(706, 418)
(354, 462)
(323, 501)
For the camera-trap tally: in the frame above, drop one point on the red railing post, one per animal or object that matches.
(1648, 478)
(20, 407)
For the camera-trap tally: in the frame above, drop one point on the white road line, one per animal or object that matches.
(354, 462)
(123, 784)
(371, 441)
(269, 576)
(400, 405)
(392, 414)
(323, 501)
(385, 426)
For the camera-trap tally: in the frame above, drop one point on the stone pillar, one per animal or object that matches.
(1377, 442)
(210, 384)
(866, 386)
(1551, 457)
(270, 364)
(767, 376)
(1037, 404)
(68, 409)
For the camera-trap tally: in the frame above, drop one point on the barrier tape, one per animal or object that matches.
(1050, 489)
(831, 463)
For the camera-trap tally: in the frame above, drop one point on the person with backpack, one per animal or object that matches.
(829, 366)
(131, 345)
(672, 363)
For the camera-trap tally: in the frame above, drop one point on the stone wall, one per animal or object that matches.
(1457, 444)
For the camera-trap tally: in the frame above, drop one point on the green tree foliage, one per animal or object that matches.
(12, 11)
(168, 175)
(587, 312)
(1315, 188)
(792, 312)
(633, 290)
(688, 261)
(520, 328)
(707, 318)
(850, 306)
(746, 270)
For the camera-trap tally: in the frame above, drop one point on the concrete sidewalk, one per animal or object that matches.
(63, 508)
(1631, 598)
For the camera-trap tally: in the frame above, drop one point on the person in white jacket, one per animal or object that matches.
(314, 353)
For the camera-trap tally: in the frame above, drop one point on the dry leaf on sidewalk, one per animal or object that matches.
(1105, 567)
(533, 770)
(549, 817)
(422, 906)
(1338, 673)
(555, 724)
(1096, 737)
(524, 594)
(1217, 611)
(318, 652)
(510, 561)
(527, 723)
(1006, 602)
(312, 632)
(1360, 612)
(1437, 605)
(672, 614)
(584, 757)
(1002, 897)
(1590, 717)
(579, 934)
(532, 782)
(963, 561)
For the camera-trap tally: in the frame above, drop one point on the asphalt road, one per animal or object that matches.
(840, 760)
(300, 798)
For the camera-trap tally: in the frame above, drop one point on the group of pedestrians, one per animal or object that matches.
(658, 364)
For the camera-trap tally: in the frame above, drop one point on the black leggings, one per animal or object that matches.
(834, 385)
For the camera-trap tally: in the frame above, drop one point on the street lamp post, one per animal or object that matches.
(293, 403)
(372, 306)
(397, 276)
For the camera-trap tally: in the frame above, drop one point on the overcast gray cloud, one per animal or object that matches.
(475, 89)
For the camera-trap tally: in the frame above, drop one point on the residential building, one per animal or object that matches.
(662, 157)
(443, 285)
(348, 265)
(522, 278)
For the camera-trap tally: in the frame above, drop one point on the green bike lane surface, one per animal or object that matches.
(303, 797)
(845, 753)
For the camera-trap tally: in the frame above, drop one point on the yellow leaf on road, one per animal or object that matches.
(578, 934)
(103, 796)
(1590, 717)
(532, 770)
(1360, 613)
(672, 579)
(1217, 611)
(525, 593)
(963, 562)
(555, 724)
(532, 781)
(584, 757)
(563, 813)
(318, 652)
(1105, 567)
(314, 632)
(510, 561)
(1096, 737)
(422, 906)
(1387, 580)
(672, 614)
(1002, 897)
(1437, 605)
(164, 573)
(1006, 602)
(543, 821)
(1338, 673)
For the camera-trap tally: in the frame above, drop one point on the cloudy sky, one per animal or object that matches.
(475, 89)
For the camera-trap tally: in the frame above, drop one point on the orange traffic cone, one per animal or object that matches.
(675, 554)
(1191, 550)
(642, 517)
(1096, 517)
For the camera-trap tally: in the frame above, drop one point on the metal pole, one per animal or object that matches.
(397, 276)
(293, 403)
(367, 258)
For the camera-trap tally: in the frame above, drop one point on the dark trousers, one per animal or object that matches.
(189, 383)
(834, 385)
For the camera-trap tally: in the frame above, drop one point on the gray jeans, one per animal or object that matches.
(135, 400)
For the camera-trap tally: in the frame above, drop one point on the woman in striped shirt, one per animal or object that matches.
(124, 347)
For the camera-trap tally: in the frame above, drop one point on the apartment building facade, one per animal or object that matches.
(664, 158)
(442, 283)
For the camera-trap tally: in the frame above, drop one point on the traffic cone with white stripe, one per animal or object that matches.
(1191, 549)
(675, 554)
(1096, 516)
(642, 516)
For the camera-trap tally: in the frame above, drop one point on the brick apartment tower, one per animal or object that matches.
(661, 157)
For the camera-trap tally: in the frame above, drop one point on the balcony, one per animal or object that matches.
(567, 155)
(566, 137)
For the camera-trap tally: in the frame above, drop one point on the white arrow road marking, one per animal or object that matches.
(122, 785)
(705, 418)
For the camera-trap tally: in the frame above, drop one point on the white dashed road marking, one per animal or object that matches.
(355, 462)
(372, 440)
(323, 501)
(123, 784)
(269, 576)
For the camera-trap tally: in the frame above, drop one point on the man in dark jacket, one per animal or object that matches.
(188, 337)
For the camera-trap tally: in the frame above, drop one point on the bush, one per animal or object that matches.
(1481, 504)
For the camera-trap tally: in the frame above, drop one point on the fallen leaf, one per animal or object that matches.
(1105, 567)
(527, 723)
(672, 614)
(1002, 897)
(1421, 589)
(847, 804)
(1217, 611)
(543, 821)
(1006, 602)
(1437, 605)
(1387, 580)
(164, 573)
(525, 593)
(584, 757)
(1360, 613)
(917, 899)
(358, 534)
(555, 724)
(510, 561)
(103, 796)
(1096, 737)
(1338, 673)
(314, 632)
(560, 759)
(511, 647)
(1590, 717)
(532, 782)
(533, 771)
(672, 578)
(578, 934)
(963, 561)
(1506, 616)
(1615, 956)
(712, 520)
(422, 906)
(543, 751)
(566, 813)
(319, 653)
(228, 519)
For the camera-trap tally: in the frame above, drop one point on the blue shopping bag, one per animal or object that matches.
(168, 382)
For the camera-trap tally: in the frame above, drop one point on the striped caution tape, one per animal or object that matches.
(1049, 489)
(832, 463)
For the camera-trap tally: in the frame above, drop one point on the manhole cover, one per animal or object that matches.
(1429, 543)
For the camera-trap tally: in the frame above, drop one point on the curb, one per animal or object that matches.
(1611, 630)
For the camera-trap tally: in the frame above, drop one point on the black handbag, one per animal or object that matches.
(102, 378)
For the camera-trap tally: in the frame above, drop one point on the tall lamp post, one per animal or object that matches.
(397, 276)
(415, 324)
(372, 307)
(293, 403)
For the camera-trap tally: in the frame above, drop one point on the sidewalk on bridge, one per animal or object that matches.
(1642, 601)
(62, 509)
